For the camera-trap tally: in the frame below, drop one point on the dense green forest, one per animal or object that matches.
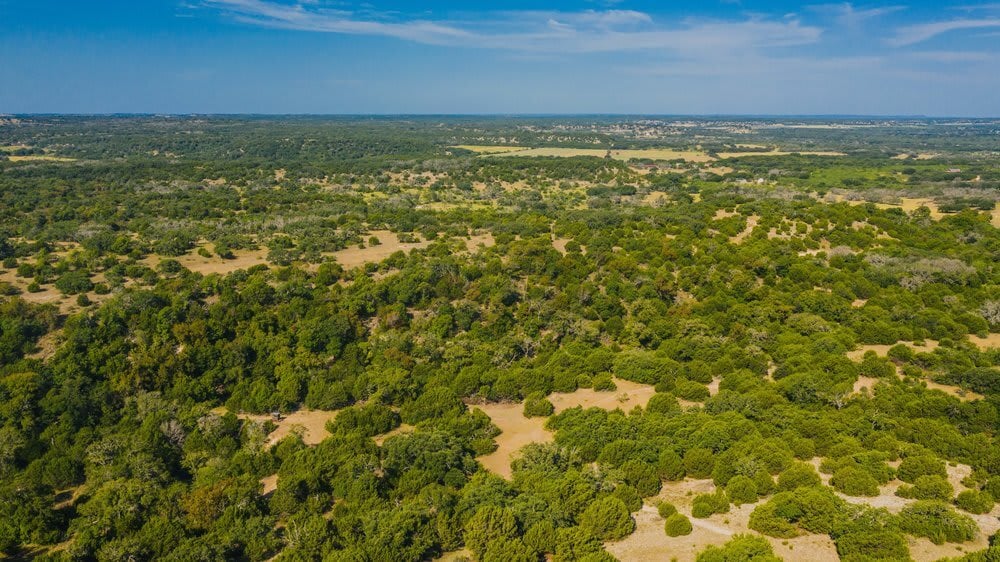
(292, 339)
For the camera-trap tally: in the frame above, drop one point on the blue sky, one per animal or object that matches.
(612, 56)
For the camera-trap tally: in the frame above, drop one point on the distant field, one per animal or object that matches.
(725, 155)
(644, 153)
(650, 153)
(491, 149)
(40, 158)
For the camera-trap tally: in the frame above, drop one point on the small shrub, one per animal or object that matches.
(537, 405)
(938, 522)
(603, 383)
(799, 475)
(854, 482)
(607, 519)
(677, 525)
(741, 490)
(741, 548)
(863, 546)
(928, 488)
(666, 509)
(706, 505)
(975, 502)
(699, 463)
(914, 467)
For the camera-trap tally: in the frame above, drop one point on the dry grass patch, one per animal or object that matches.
(40, 158)
(516, 431)
(725, 155)
(389, 244)
(627, 396)
(243, 259)
(491, 149)
(624, 155)
(311, 423)
(992, 341)
(650, 543)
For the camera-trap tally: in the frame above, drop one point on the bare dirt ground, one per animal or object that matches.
(390, 244)
(402, 429)
(627, 396)
(244, 259)
(752, 221)
(882, 350)
(516, 431)
(312, 424)
(725, 155)
(477, 242)
(991, 341)
(650, 543)
(928, 346)
(560, 244)
(270, 484)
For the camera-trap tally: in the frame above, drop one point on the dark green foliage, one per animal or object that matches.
(537, 405)
(741, 548)
(914, 467)
(854, 481)
(928, 488)
(741, 489)
(607, 519)
(975, 501)
(677, 525)
(936, 521)
(798, 475)
(872, 545)
(705, 505)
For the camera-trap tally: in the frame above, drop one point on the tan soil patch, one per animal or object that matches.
(491, 149)
(724, 214)
(560, 244)
(480, 241)
(752, 221)
(650, 543)
(882, 350)
(991, 341)
(401, 430)
(47, 345)
(858, 303)
(312, 423)
(279, 174)
(40, 158)
(516, 431)
(390, 244)
(628, 395)
(270, 484)
(456, 556)
(243, 259)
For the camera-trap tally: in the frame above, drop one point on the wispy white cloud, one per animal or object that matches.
(588, 31)
(913, 34)
(847, 15)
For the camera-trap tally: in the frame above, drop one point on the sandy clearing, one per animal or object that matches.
(401, 430)
(312, 423)
(390, 244)
(560, 244)
(882, 350)
(478, 242)
(243, 259)
(40, 158)
(992, 341)
(724, 214)
(516, 431)
(752, 221)
(627, 396)
(650, 543)
(456, 556)
(270, 484)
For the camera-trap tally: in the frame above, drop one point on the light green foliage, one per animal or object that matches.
(936, 521)
(705, 505)
(741, 548)
(975, 501)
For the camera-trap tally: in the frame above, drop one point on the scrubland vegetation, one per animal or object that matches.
(256, 339)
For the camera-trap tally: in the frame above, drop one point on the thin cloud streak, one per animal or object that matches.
(590, 31)
(913, 34)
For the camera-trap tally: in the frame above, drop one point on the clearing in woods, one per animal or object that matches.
(517, 431)
(389, 245)
(244, 259)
